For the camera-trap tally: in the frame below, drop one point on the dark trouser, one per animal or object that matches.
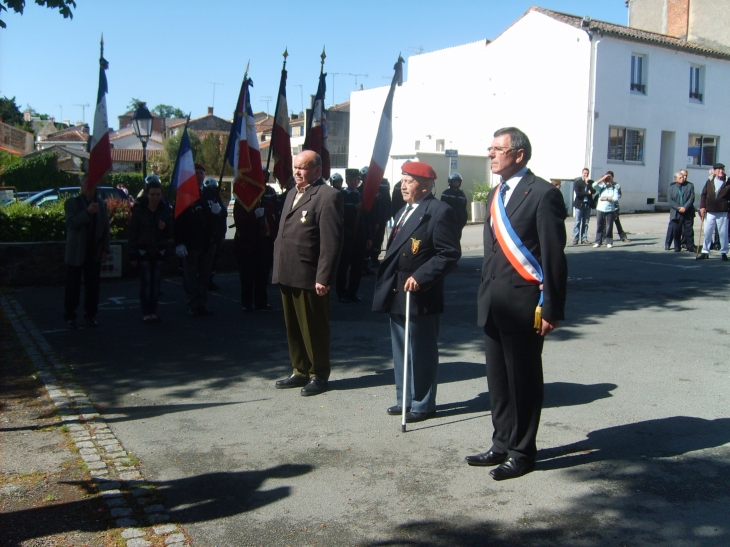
(374, 253)
(307, 317)
(621, 234)
(670, 232)
(254, 269)
(91, 271)
(515, 381)
(604, 227)
(683, 232)
(197, 266)
(423, 360)
(352, 259)
(150, 275)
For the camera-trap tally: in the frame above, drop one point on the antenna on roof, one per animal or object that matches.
(83, 111)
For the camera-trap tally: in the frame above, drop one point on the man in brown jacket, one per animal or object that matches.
(714, 210)
(306, 255)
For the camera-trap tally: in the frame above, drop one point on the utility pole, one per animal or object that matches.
(214, 84)
(267, 100)
(83, 111)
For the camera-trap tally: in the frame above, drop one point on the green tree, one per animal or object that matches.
(133, 102)
(167, 111)
(63, 6)
(10, 111)
(164, 164)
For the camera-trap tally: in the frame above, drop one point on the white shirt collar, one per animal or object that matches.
(512, 182)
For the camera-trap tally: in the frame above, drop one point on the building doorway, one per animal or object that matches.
(666, 165)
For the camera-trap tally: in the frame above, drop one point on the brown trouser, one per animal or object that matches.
(307, 317)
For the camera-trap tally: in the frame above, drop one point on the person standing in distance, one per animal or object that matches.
(521, 299)
(456, 198)
(306, 255)
(422, 249)
(583, 190)
(714, 210)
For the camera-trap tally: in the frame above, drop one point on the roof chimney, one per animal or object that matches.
(210, 111)
(678, 18)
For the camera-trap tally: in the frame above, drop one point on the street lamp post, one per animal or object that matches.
(142, 123)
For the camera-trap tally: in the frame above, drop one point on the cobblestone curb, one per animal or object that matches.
(132, 502)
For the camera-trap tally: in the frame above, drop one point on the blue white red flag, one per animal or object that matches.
(316, 139)
(516, 252)
(183, 178)
(243, 153)
(383, 141)
(100, 152)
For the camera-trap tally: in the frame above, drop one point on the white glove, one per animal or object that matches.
(259, 212)
(181, 250)
(216, 208)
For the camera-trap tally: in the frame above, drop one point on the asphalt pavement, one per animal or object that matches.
(634, 444)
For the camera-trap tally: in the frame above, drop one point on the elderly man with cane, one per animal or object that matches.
(422, 248)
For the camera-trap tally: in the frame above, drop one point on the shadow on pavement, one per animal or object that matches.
(198, 498)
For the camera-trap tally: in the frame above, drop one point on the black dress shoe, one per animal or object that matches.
(412, 417)
(396, 410)
(345, 299)
(667, 248)
(724, 258)
(703, 256)
(247, 309)
(355, 298)
(511, 469)
(295, 380)
(265, 307)
(692, 250)
(91, 322)
(676, 250)
(486, 459)
(315, 386)
(71, 323)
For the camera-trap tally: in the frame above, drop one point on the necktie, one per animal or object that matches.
(402, 220)
(503, 190)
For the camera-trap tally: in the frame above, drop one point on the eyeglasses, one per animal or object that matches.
(499, 149)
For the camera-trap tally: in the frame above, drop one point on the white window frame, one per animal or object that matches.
(440, 145)
(625, 146)
(701, 138)
(697, 83)
(639, 73)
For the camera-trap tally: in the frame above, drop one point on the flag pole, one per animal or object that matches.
(276, 111)
(323, 56)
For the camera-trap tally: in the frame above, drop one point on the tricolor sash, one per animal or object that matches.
(518, 255)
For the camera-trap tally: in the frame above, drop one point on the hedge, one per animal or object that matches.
(22, 223)
(38, 173)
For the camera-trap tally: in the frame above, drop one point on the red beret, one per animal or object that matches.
(198, 166)
(419, 169)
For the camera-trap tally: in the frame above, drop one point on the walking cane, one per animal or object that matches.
(405, 363)
(699, 242)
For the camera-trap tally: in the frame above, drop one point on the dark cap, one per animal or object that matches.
(719, 166)
(350, 173)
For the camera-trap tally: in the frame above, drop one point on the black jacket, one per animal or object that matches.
(581, 190)
(715, 203)
(144, 230)
(427, 248)
(687, 201)
(457, 200)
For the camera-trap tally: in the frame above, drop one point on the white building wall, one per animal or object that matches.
(534, 76)
(665, 107)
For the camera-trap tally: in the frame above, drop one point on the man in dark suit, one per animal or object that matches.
(507, 300)
(583, 202)
(681, 197)
(423, 247)
(87, 247)
(356, 243)
(306, 254)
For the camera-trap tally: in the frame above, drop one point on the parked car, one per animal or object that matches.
(49, 197)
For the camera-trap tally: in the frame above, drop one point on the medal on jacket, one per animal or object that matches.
(304, 217)
(415, 245)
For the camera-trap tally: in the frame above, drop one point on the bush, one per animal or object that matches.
(480, 191)
(133, 181)
(38, 173)
(23, 223)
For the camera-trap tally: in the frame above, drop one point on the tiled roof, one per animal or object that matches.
(344, 107)
(11, 150)
(133, 155)
(265, 126)
(70, 136)
(637, 35)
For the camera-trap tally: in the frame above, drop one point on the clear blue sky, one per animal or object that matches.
(166, 51)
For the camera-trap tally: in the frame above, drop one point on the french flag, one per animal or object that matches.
(281, 139)
(100, 152)
(243, 153)
(383, 141)
(183, 178)
(317, 135)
